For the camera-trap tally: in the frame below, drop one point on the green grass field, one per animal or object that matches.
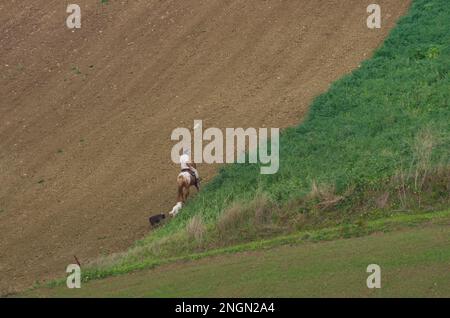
(414, 261)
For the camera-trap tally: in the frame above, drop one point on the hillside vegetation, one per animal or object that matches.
(376, 144)
(329, 269)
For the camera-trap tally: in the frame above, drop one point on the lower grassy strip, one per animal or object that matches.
(396, 222)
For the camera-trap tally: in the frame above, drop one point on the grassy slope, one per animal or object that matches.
(362, 129)
(414, 262)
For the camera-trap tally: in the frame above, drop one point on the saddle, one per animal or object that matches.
(196, 181)
(190, 172)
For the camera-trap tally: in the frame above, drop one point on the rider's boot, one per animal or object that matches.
(197, 184)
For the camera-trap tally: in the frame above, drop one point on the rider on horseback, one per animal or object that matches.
(188, 176)
(188, 166)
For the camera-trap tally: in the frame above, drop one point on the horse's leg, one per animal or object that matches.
(181, 183)
(180, 196)
(196, 185)
(186, 193)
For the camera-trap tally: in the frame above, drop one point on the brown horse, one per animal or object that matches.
(184, 181)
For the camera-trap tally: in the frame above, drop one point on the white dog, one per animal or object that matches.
(176, 209)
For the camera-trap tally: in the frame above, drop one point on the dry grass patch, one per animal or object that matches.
(196, 229)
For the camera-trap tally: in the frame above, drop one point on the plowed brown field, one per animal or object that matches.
(86, 116)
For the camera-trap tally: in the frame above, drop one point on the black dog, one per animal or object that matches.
(156, 219)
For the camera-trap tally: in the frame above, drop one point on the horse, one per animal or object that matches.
(184, 181)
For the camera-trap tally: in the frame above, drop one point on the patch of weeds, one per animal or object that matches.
(76, 70)
(433, 53)
(195, 229)
(37, 284)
